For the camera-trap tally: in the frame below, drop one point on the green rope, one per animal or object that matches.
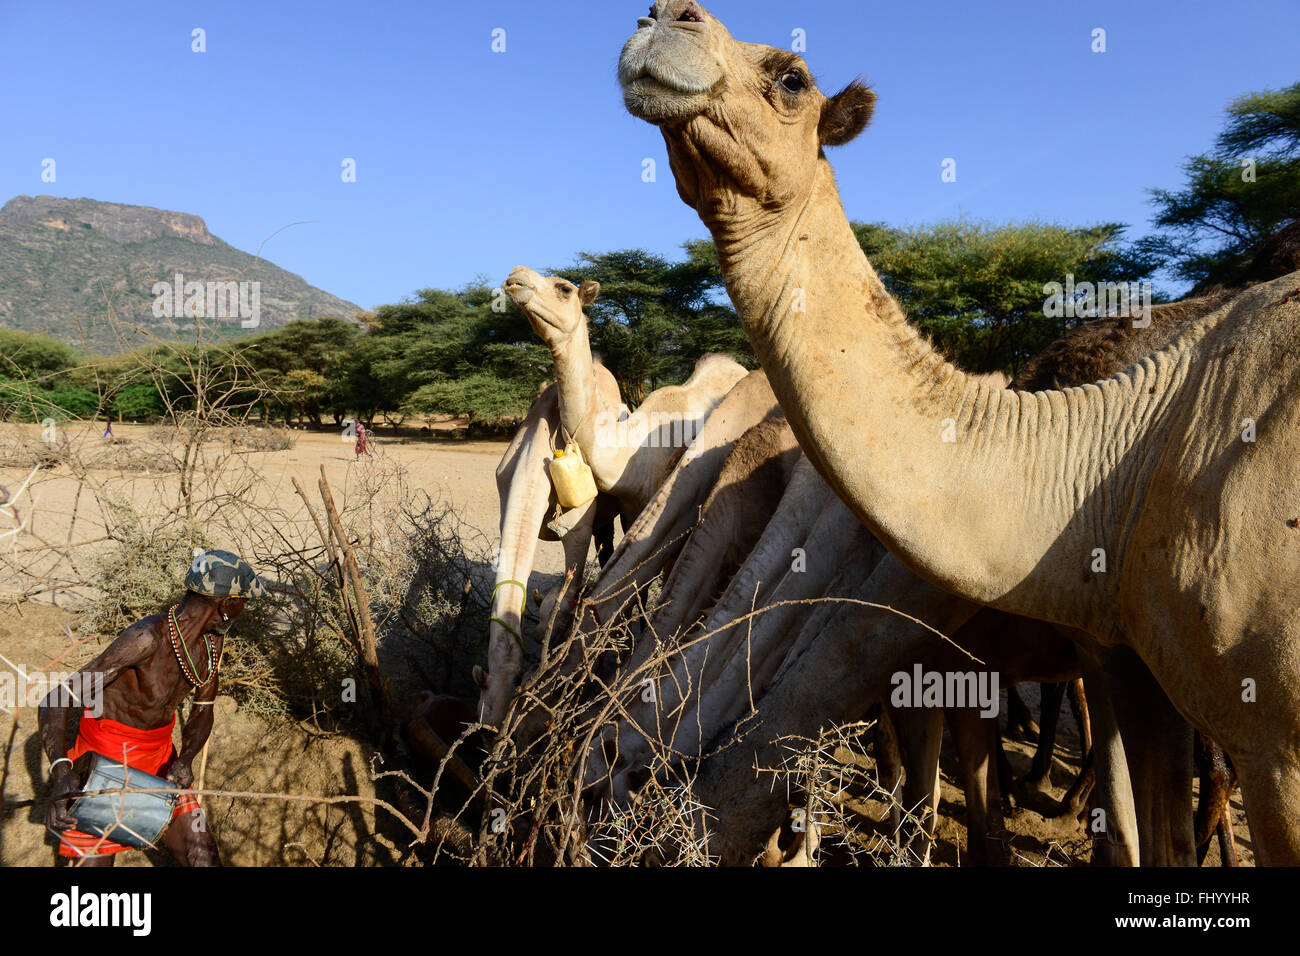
(522, 605)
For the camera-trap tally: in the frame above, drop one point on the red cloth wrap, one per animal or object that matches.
(147, 750)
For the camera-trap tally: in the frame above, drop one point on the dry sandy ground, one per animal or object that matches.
(461, 473)
(249, 754)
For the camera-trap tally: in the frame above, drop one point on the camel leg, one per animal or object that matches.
(1112, 823)
(975, 738)
(920, 734)
(1074, 800)
(1227, 845)
(889, 765)
(1270, 785)
(1217, 781)
(1077, 795)
(998, 846)
(1039, 774)
(1032, 790)
(1019, 722)
(1079, 707)
(1158, 746)
(1006, 777)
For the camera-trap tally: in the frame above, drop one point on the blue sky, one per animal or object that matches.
(469, 162)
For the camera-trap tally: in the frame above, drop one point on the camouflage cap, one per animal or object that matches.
(222, 574)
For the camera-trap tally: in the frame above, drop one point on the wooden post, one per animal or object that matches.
(325, 538)
(361, 612)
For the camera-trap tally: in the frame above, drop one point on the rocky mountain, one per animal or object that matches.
(108, 277)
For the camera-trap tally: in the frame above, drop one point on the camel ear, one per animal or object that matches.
(846, 114)
(480, 677)
(588, 291)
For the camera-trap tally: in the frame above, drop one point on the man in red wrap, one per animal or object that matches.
(147, 672)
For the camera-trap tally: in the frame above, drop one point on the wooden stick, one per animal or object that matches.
(426, 742)
(325, 538)
(203, 768)
(365, 627)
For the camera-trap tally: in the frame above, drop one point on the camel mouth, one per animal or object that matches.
(519, 290)
(661, 103)
(659, 73)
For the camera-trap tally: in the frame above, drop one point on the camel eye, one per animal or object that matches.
(565, 290)
(793, 82)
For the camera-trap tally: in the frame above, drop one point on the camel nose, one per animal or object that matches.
(678, 11)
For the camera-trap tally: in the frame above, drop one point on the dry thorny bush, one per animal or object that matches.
(125, 545)
(530, 808)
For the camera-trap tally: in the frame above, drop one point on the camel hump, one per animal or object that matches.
(715, 367)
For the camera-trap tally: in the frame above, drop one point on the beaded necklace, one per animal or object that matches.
(188, 670)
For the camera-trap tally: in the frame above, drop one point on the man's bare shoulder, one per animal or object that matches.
(137, 642)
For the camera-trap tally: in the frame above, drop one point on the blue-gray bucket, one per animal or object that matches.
(132, 819)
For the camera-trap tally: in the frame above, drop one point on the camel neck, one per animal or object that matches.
(989, 493)
(576, 380)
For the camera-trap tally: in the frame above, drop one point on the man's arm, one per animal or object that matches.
(197, 729)
(133, 646)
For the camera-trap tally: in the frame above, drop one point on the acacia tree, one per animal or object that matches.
(977, 288)
(300, 361)
(469, 352)
(1236, 196)
(654, 317)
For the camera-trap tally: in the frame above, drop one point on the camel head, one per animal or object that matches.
(739, 118)
(553, 305)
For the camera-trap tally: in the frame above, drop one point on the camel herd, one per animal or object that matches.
(1125, 511)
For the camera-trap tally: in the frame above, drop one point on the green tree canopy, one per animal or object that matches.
(1236, 196)
(302, 363)
(655, 318)
(977, 288)
(30, 356)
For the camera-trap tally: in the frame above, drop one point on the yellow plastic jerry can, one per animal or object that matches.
(575, 485)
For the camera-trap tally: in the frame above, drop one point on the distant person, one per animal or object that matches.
(362, 448)
(108, 431)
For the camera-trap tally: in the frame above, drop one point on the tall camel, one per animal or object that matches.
(1176, 473)
(801, 699)
(655, 540)
(527, 499)
(630, 456)
(637, 456)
